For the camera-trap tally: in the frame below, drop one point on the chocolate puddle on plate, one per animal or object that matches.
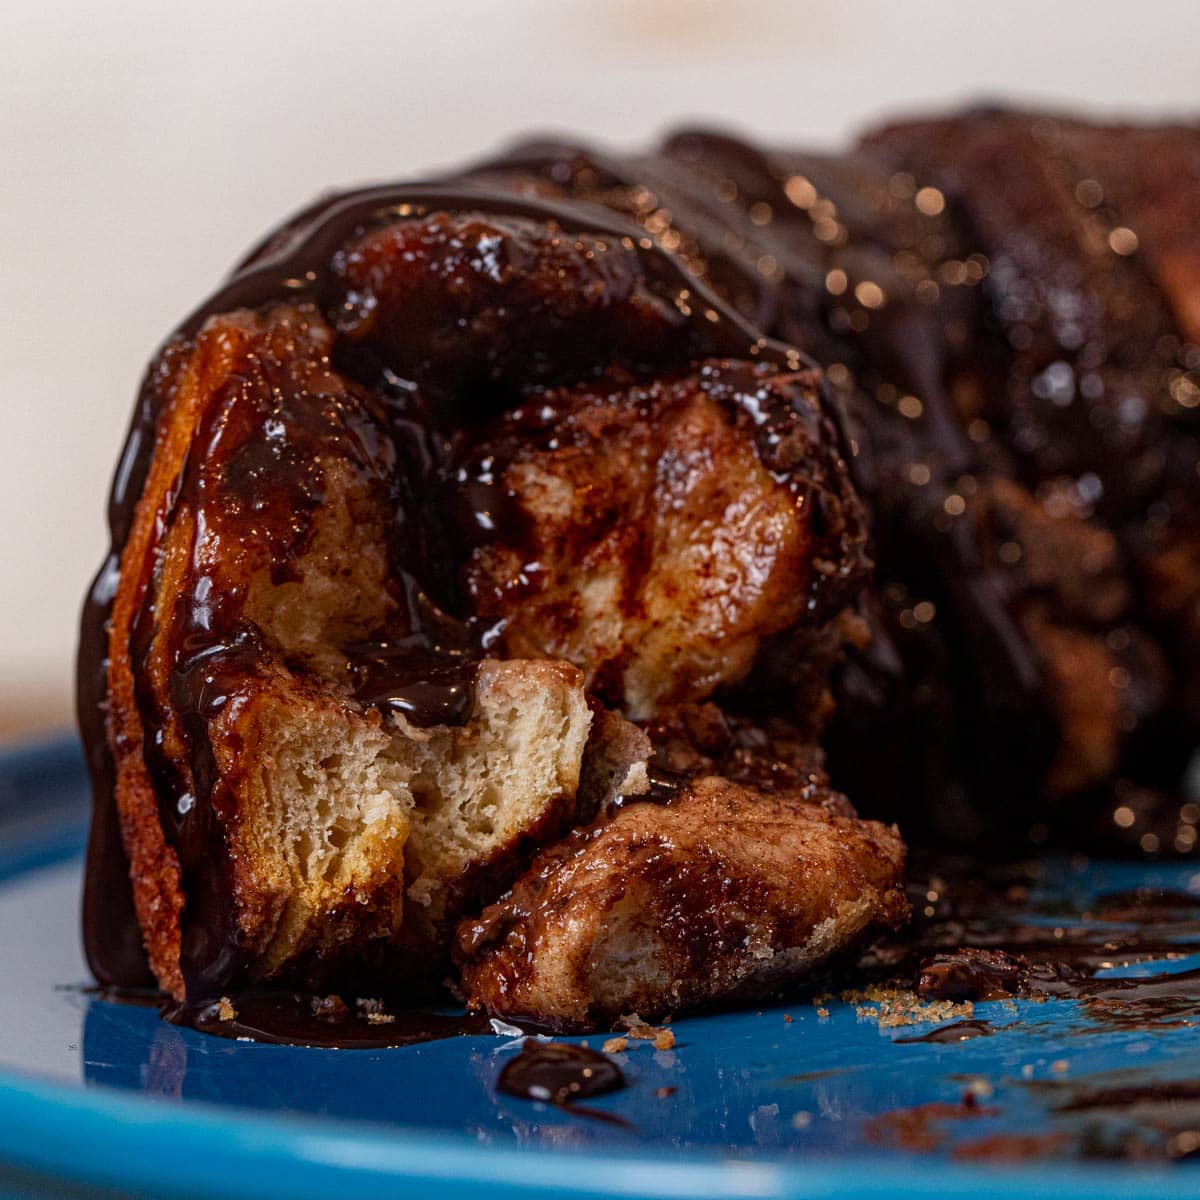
(983, 934)
(298, 1019)
(957, 1031)
(562, 1074)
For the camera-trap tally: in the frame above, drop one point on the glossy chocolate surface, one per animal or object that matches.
(560, 1073)
(290, 1019)
(904, 278)
(416, 383)
(1019, 387)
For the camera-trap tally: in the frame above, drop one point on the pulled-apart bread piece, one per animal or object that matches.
(721, 892)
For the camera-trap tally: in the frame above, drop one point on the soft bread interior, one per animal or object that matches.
(322, 820)
(340, 812)
(507, 777)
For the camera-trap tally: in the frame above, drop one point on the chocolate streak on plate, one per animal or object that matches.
(980, 935)
(959, 1031)
(295, 1019)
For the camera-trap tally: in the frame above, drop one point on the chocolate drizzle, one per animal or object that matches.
(956, 696)
(426, 676)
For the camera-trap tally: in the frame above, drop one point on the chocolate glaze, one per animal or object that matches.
(732, 218)
(428, 676)
(946, 319)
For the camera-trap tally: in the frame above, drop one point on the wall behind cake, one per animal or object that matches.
(144, 145)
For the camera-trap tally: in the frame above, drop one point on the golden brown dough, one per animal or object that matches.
(722, 892)
(666, 530)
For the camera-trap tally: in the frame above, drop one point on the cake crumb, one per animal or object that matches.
(380, 1018)
(890, 1007)
(823, 1013)
(663, 1092)
(662, 1037)
(615, 1045)
(328, 1008)
(226, 1010)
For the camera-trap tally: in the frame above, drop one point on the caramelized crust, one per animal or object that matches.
(723, 892)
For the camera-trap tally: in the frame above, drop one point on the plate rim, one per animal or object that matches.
(166, 1148)
(96, 1136)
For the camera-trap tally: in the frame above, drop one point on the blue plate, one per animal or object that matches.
(785, 1102)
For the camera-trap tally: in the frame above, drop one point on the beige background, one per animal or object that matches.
(144, 145)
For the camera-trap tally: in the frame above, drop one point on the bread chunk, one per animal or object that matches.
(723, 892)
(345, 827)
(666, 530)
(482, 792)
(414, 532)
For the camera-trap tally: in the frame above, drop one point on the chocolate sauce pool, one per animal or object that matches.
(299, 1019)
(303, 1019)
